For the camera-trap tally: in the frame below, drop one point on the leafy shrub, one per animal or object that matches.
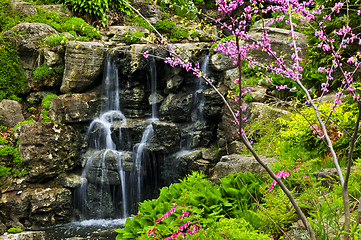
(183, 8)
(165, 25)
(205, 202)
(4, 171)
(98, 8)
(12, 77)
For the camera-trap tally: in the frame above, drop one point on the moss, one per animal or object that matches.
(12, 76)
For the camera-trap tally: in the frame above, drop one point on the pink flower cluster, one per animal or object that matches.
(281, 174)
(184, 229)
(172, 210)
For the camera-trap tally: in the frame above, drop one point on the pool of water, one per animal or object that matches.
(89, 229)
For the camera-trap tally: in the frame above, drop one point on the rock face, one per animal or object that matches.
(49, 149)
(41, 206)
(151, 12)
(10, 113)
(83, 66)
(26, 37)
(73, 108)
(230, 164)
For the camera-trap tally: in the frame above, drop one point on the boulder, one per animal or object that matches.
(280, 42)
(69, 180)
(235, 163)
(119, 33)
(73, 108)
(54, 57)
(221, 62)
(26, 38)
(150, 11)
(27, 235)
(133, 101)
(83, 66)
(57, 8)
(49, 148)
(50, 206)
(177, 107)
(166, 136)
(10, 113)
(23, 8)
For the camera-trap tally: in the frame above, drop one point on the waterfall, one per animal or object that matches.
(111, 189)
(197, 114)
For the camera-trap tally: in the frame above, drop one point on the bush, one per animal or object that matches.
(205, 204)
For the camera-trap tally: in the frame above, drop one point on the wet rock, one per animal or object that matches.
(83, 66)
(186, 159)
(235, 163)
(10, 113)
(134, 101)
(103, 166)
(28, 235)
(174, 83)
(69, 180)
(211, 154)
(73, 108)
(49, 148)
(166, 136)
(15, 205)
(177, 107)
(23, 8)
(50, 206)
(26, 36)
(99, 202)
(213, 104)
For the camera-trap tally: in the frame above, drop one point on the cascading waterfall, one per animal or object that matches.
(110, 190)
(197, 114)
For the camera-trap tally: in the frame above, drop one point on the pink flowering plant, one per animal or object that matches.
(339, 43)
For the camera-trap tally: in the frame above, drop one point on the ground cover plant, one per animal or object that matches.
(335, 41)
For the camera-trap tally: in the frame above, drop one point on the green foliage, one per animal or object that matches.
(133, 37)
(180, 33)
(183, 8)
(99, 9)
(8, 18)
(79, 26)
(12, 77)
(14, 230)
(4, 171)
(229, 228)
(42, 72)
(165, 25)
(206, 202)
(276, 213)
(248, 97)
(46, 100)
(56, 39)
(24, 122)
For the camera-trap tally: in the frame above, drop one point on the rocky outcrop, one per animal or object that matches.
(26, 37)
(23, 8)
(149, 10)
(235, 163)
(10, 113)
(49, 148)
(83, 66)
(75, 108)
